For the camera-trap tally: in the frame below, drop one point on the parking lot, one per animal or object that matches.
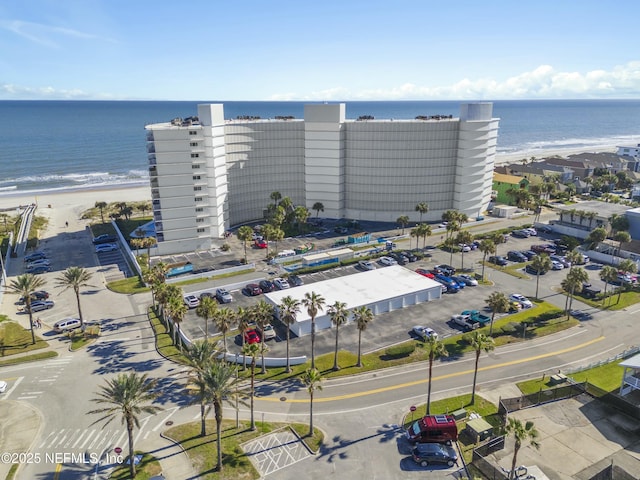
(394, 327)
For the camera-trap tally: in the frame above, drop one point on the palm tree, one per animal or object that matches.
(126, 395)
(424, 231)
(101, 206)
(479, 342)
(275, 196)
(497, 238)
(177, 311)
(221, 385)
(403, 221)
(314, 303)
(318, 207)
(245, 234)
(415, 232)
(435, 349)
(301, 214)
(251, 350)
(262, 313)
(25, 285)
(223, 318)
(520, 433)
(75, 277)
(243, 320)
(621, 237)
(572, 284)
(289, 309)
(339, 316)
(199, 355)
(464, 237)
(312, 380)
(625, 266)
(207, 310)
(487, 247)
(422, 208)
(541, 264)
(362, 316)
(608, 274)
(498, 303)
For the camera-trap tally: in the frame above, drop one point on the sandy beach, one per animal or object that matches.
(502, 159)
(68, 205)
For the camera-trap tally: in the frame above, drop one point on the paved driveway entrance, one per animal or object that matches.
(275, 451)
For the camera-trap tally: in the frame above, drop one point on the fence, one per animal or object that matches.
(507, 405)
(626, 353)
(490, 471)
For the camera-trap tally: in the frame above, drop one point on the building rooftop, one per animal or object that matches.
(603, 209)
(364, 288)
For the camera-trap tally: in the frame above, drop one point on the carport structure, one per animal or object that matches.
(382, 290)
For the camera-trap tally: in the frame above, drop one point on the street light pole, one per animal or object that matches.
(237, 411)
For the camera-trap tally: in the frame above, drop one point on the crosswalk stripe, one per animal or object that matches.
(87, 439)
(79, 438)
(56, 438)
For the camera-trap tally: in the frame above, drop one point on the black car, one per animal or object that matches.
(35, 296)
(104, 238)
(515, 256)
(267, 286)
(207, 294)
(37, 255)
(498, 260)
(530, 269)
(40, 269)
(427, 454)
(520, 234)
(529, 254)
(401, 259)
(295, 281)
(410, 256)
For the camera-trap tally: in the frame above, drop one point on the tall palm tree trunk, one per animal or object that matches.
(132, 463)
(359, 364)
(429, 386)
(218, 413)
(79, 309)
(288, 365)
(512, 473)
(253, 376)
(263, 368)
(313, 342)
(311, 413)
(203, 423)
(475, 376)
(33, 336)
(335, 356)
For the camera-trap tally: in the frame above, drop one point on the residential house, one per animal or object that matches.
(538, 172)
(503, 183)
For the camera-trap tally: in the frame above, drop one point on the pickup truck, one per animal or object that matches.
(465, 322)
(477, 317)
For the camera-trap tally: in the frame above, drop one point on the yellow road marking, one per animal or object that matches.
(58, 469)
(425, 380)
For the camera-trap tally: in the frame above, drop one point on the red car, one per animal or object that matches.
(259, 243)
(251, 336)
(253, 289)
(425, 273)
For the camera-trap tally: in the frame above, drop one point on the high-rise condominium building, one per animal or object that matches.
(209, 174)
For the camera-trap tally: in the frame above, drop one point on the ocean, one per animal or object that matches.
(59, 145)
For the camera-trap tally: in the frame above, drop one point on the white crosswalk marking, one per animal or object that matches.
(91, 433)
(79, 438)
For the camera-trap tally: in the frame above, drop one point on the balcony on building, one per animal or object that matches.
(151, 148)
(152, 159)
(150, 137)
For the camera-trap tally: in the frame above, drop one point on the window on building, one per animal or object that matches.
(199, 220)
(195, 155)
(199, 209)
(195, 165)
(193, 132)
(197, 189)
(193, 144)
(198, 199)
(196, 177)
(201, 230)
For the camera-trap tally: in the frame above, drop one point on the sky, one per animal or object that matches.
(324, 50)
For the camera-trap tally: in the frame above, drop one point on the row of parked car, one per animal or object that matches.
(266, 286)
(37, 262)
(445, 275)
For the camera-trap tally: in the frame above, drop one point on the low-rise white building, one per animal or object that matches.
(382, 290)
(208, 173)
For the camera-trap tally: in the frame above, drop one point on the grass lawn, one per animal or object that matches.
(80, 339)
(538, 324)
(203, 454)
(128, 286)
(164, 342)
(28, 358)
(607, 377)
(148, 467)
(15, 339)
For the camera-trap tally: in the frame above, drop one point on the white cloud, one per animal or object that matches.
(18, 92)
(45, 34)
(542, 82)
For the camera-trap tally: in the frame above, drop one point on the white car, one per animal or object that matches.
(468, 279)
(191, 301)
(38, 263)
(521, 299)
(268, 332)
(3, 386)
(387, 261)
(464, 247)
(281, 283)
(531, 231)
(106, 247)
(555, 265)
(424, 332)
(366, 265)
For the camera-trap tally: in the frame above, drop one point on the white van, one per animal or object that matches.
(66, 324)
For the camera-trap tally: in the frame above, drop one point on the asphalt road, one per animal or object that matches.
(358, 414)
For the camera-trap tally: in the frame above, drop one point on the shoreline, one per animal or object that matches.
(542, 153)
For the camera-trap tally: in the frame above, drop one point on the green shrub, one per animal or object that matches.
(402, 350)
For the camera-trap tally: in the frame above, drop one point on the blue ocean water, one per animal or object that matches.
(49, 145)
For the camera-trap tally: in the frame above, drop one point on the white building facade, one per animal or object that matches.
(208, 173)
